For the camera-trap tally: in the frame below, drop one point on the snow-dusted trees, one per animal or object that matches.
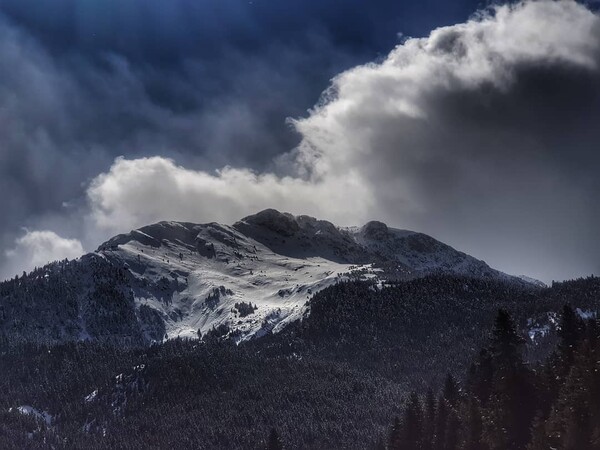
(516, 410)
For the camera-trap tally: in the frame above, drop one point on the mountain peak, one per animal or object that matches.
(281, 223)
(154, 235)
(375, 230)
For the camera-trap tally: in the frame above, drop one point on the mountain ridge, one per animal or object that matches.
(245, 280)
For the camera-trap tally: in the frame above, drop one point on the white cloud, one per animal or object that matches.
(141, 191)
(37, 248)
(409, 87)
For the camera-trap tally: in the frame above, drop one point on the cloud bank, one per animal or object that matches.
(142, 191)
(37, 248)
(483, 134)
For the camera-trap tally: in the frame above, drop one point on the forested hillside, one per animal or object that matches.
(333, 380)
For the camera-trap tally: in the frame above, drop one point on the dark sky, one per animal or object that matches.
(211, 60)
(209, 84)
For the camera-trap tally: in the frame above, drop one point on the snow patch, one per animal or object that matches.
(536, 333)
(91, 397)
(27, 410)
(587, 314)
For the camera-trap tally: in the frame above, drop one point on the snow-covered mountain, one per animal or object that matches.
(177, 279)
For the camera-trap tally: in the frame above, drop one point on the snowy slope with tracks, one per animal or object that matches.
(198, 289)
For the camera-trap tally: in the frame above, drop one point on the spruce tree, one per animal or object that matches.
(380, 445)
(570, 333)
(539, 436)
(429, 421)
(274, 442)
(572, 421)
(396, 439)
(441, 423)
(480, 377)
(506, 344)
(513, 402)
(451, 390)
(474, 426)
(453, 430)
(413, 424)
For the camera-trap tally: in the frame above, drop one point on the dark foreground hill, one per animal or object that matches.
(333, 380)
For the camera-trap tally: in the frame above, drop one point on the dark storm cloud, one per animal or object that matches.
(66, 116)
(485, 134)
(210, 82)
(506, 172)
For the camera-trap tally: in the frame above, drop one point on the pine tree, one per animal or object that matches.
(513, 402)
(441, 423)
(480, 377)
(274, 442)
(396, 439)
(429, 421)
(474, 431)
(453, 431)
(379, 445)
(570, 333)
(451, 390)
(413, 424)
(539, 435)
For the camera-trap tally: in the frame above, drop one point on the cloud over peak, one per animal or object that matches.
(146, 190)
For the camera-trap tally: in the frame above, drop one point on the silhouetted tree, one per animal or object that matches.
(429, 421)
(396, 439)
(441, 423)
(451, 390)
(274, 442)
(413, 424)
(474, 426)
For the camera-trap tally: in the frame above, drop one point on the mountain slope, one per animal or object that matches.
(331, 381)
(177, 279)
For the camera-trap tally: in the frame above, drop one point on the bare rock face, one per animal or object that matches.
(205, 248)
(281, 223)
(375, 230)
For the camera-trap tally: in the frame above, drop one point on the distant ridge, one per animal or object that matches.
(254, 277)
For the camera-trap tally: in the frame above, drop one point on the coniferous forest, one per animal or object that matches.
(442, 362)
(503, 403)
